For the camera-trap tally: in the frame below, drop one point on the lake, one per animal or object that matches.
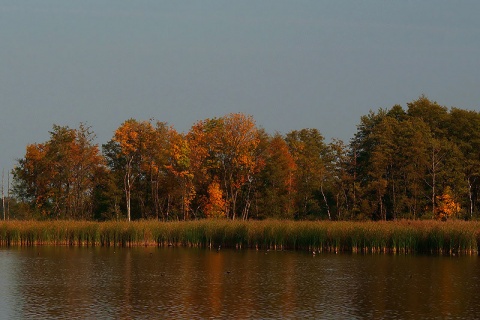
(181, 283)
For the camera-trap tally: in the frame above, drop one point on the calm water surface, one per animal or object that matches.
(180, 283)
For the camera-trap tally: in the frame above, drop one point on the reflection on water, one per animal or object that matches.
(62, 282)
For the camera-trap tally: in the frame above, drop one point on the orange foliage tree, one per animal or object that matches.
(155, 158)
(226, 148)
(132, 139)
(151, 162)
(446, 207)
(58, 177)
(276, 186)
(32, 178)
(179, 165)
(139, 151)
(215, 204)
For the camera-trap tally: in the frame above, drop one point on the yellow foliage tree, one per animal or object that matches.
(215, 206)
(226, 148)
(447, 207)
(132, 138)
(58, 177)
(180, 166)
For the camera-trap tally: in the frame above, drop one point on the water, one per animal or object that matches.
(181, 283)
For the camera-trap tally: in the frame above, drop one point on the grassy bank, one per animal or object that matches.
(402, 237)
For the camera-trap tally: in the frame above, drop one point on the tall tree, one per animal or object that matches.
(391, 153)
(179, 166)
(127, 151)
(382, 166)
(361, 147)
(308, 149)
(413, 138)
(154, 170)
(276, 182)
(464, 131)
(3, 195)
(341, 178)
(58, 177)
(225, 149)
(139, 156)
(433, 114)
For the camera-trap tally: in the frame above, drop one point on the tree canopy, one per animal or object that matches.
(418, 162)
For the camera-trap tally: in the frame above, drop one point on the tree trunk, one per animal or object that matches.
(433, 188)
(8, 196)
(326, 202)
(3, 195)
(127, 194)
(470, 197)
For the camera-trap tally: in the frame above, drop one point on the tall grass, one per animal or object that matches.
(397, 237)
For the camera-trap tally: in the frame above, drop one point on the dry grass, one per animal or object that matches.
(397, 237)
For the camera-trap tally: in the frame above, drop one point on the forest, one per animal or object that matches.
(418, 162)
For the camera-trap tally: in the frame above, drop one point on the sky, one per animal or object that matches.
(290, 64)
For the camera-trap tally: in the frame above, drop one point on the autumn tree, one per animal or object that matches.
(154, 182)
(239, 164)
(87, 168)
(138, 156)
(180, 168)
(31, 178)
(124, 151)
(276, 186)
(401, 164)
(309, 150)
(215, 202)
(447, 206)
(58, 177)
(225, 149)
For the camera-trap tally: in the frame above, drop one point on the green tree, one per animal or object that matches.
(361, 149)
(138, 157)
(382, 171)
(433, 114)
(413, 137)
(341, 180)
(464, 131)
(391, 164)
(181, 175)
(309, 150)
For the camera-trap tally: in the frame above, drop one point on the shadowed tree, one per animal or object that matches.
(276, 182)
(309, 150)
(464, 131)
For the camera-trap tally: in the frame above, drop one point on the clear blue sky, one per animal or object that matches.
(291, 64)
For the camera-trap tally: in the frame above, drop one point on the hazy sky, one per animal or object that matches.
(291, 64)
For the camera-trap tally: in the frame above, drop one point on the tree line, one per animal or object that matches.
(421, 162)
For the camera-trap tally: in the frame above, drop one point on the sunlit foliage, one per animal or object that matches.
(418, 162)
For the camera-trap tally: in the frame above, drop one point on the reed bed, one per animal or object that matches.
(396, 237)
